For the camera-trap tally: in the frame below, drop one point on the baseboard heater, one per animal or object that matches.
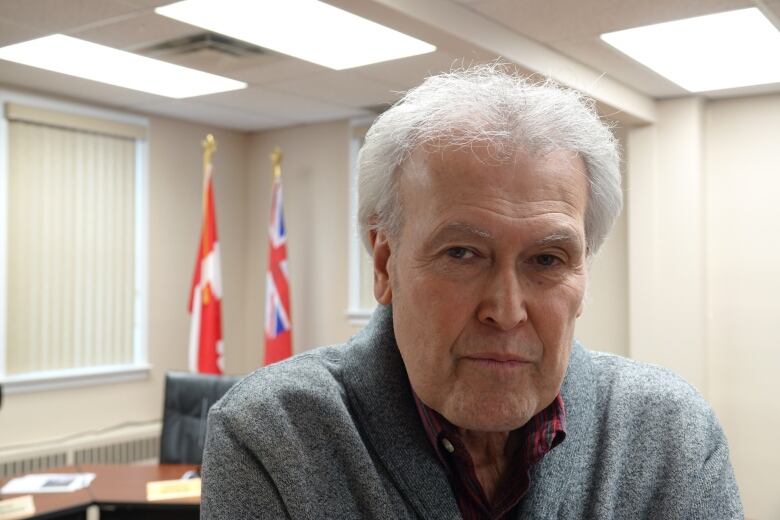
(128, 445)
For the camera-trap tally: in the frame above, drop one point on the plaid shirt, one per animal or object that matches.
(536, 438)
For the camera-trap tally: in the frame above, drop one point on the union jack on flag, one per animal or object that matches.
(278, 325)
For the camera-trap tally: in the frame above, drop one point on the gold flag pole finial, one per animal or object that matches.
(276, 162)
(209, 147)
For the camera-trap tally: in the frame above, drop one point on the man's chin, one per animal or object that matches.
(488, 419)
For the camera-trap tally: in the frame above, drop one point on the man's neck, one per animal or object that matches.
(491, 453)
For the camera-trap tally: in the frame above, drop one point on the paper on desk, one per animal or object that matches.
(48, 483)
(17, 508)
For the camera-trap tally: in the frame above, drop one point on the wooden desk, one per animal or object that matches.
(119, 491)
(70, 506)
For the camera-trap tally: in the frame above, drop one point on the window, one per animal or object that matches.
(361, 270)
(72, 237)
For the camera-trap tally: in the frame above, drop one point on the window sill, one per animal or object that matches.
(73, 378)
(359, 317)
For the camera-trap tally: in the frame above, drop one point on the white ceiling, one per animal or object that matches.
(286, 91)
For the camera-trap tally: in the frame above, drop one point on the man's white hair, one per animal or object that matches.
(489, 107)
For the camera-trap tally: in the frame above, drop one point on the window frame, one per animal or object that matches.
(357, 315)
(83, 376)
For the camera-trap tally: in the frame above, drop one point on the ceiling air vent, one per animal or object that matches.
(210, 52)
(204, 43)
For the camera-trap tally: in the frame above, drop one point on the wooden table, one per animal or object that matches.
(58, 505)
(119, 491)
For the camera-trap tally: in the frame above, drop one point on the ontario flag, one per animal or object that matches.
(278, 326)
(206, 347)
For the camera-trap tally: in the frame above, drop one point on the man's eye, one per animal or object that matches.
(547, 260)
(459, 253)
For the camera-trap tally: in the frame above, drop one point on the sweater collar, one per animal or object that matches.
(378, 387)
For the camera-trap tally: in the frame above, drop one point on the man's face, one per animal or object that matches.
(486, 278)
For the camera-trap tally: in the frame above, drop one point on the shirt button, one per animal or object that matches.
(447, 445)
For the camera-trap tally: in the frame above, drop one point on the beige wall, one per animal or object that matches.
(604, 322)
(665, 245)
(743, 289)
(175, 173)
(703, 268)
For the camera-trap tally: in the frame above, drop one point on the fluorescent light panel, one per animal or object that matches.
(713, 52)
(306, 29)
(83, 59)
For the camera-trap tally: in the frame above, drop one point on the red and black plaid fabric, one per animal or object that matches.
(537, 437)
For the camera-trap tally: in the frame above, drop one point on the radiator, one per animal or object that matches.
(121, 446)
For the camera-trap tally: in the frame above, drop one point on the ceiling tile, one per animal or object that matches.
(62, 16)
(22, 76)
(772, 11)
(141, 30)
(275, 104)
(14, 33)
(605, 59)
(286, 91)
(283, 69)
(408, 72)
(343, 87)
(218, 62)
(204, 113)
(148, 3)
(556, 20)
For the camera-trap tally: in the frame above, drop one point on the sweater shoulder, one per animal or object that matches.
(300, 385)
(649, 394)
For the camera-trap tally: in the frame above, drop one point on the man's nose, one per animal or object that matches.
(503, 303)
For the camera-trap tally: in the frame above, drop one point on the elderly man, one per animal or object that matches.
(483, 198)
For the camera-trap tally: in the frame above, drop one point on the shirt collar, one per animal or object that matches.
(543, 432)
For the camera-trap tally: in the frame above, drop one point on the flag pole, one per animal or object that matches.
(276, 162)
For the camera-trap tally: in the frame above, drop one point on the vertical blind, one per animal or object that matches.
(71, 218)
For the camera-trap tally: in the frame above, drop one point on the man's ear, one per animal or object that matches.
(381, 249)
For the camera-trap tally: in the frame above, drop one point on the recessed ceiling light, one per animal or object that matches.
(83, 59)
(307, 29)
(713, 52)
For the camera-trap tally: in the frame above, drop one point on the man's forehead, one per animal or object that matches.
(459, 160)
(455, 189)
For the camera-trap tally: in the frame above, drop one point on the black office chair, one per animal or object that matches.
(188, 398)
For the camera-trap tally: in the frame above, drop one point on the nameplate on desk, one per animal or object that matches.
(16, 508)
(170, 489)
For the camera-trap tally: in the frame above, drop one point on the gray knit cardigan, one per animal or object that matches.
(333, 433)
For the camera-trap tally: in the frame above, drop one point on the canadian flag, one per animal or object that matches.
(206, 347)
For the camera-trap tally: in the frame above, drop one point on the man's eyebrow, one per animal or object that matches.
(454, 228)
(561, 236)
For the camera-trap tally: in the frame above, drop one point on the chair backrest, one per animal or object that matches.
(188, 398)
